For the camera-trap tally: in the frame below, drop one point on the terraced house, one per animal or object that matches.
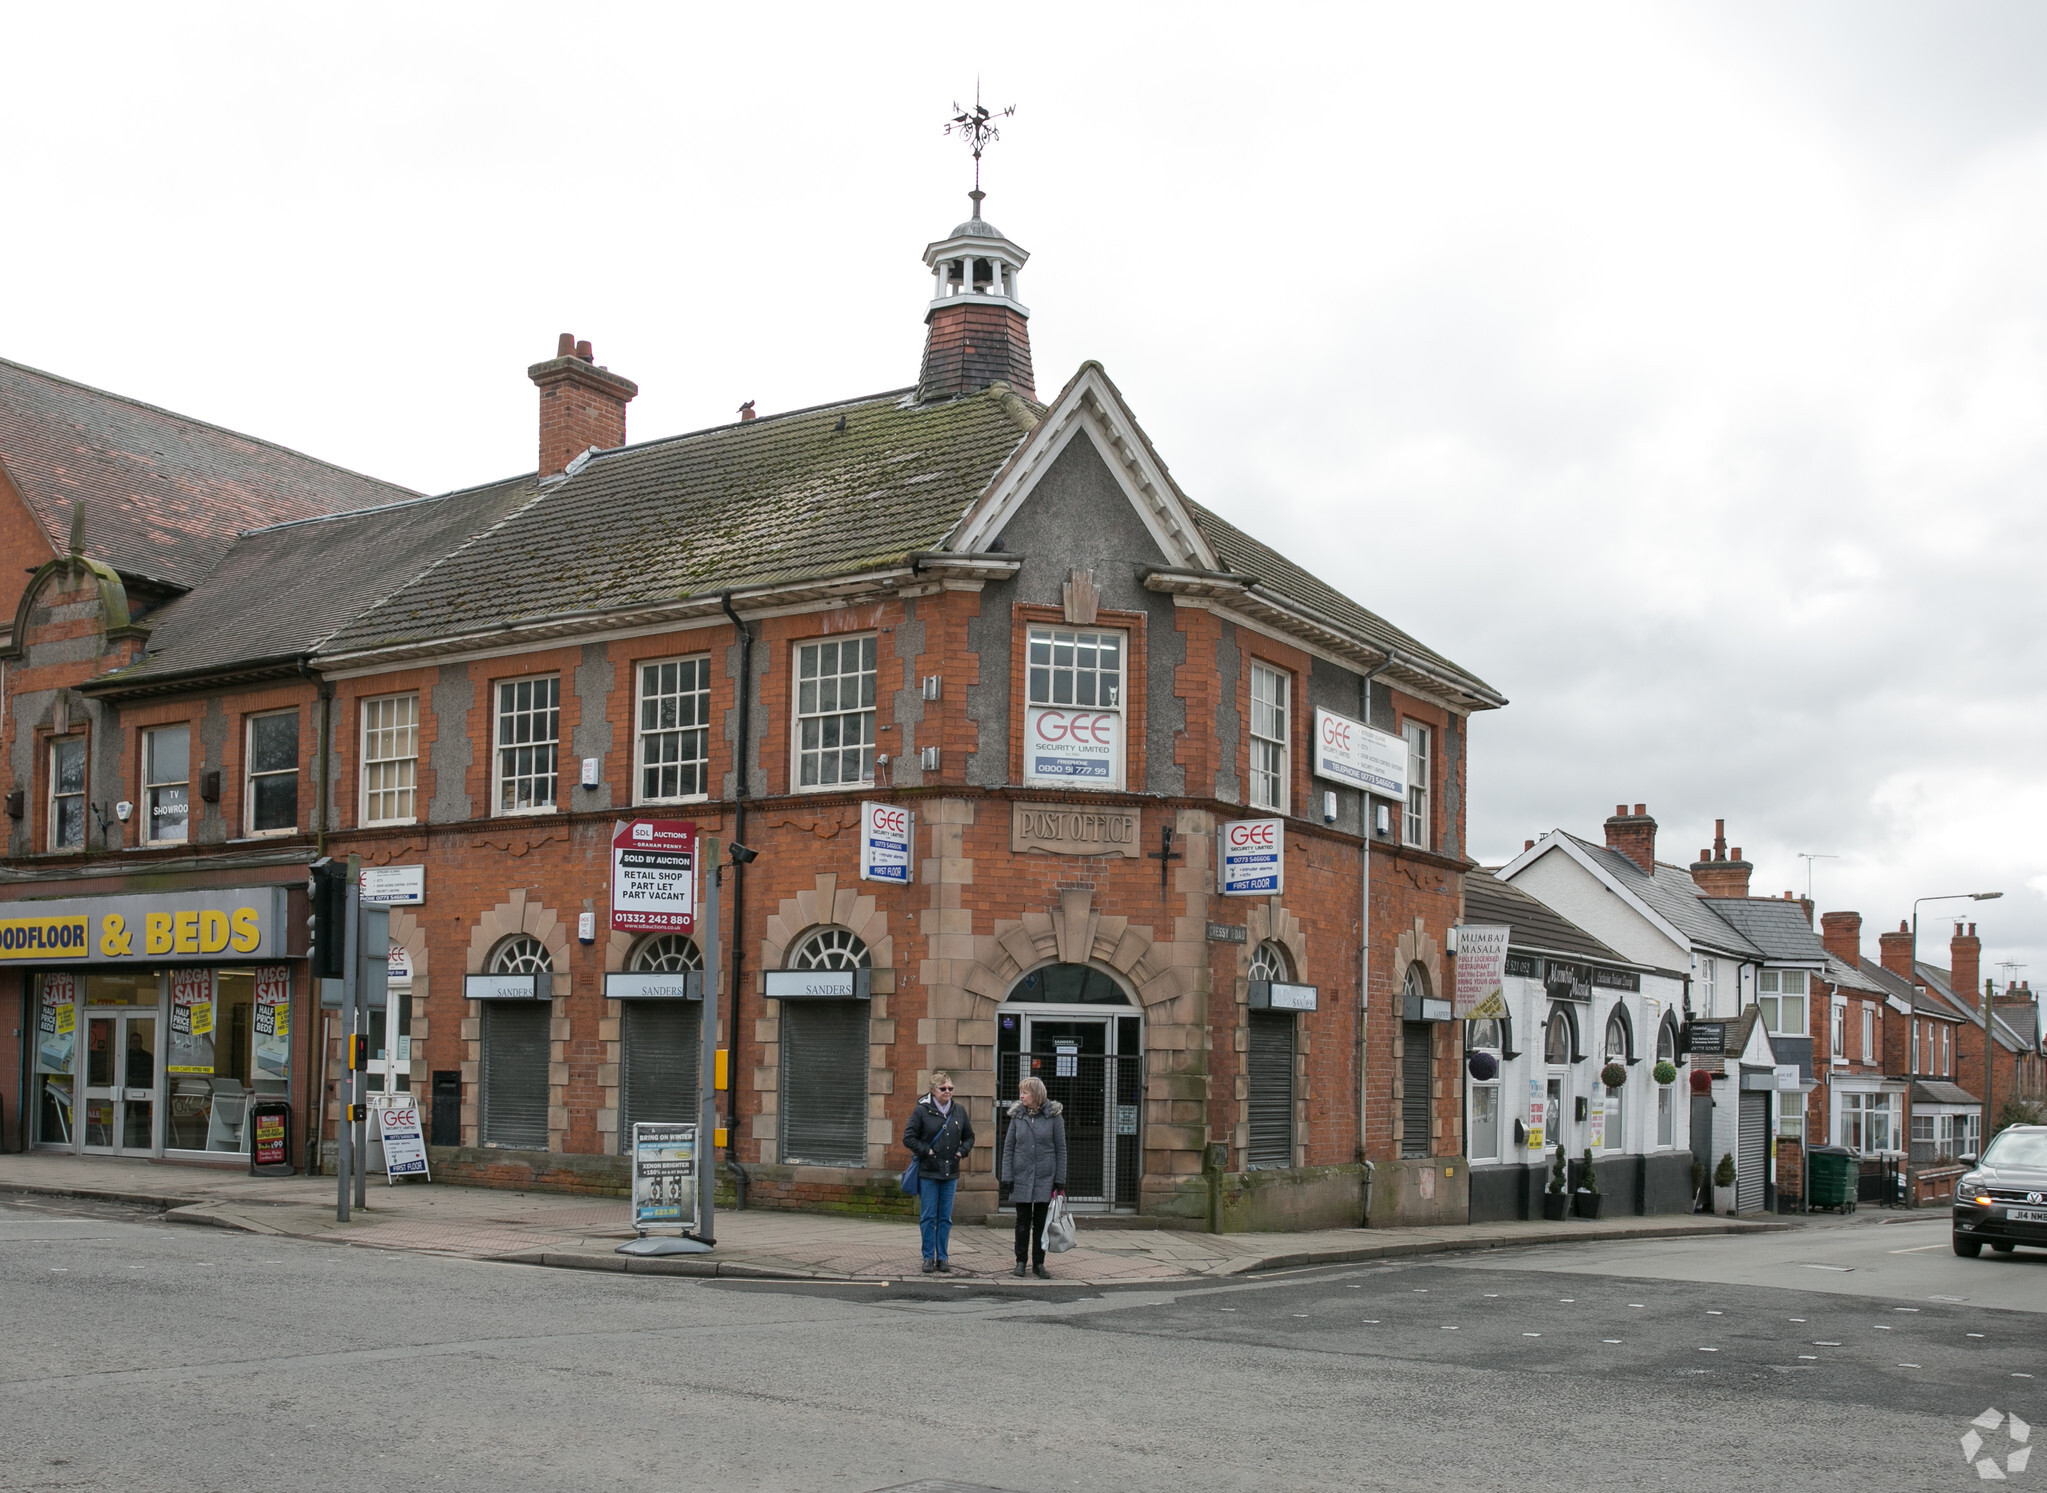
(1188, 822)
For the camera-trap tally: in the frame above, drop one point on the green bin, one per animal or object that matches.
(1833, 1171)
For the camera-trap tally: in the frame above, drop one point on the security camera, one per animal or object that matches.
(123, 809)
(741, 854)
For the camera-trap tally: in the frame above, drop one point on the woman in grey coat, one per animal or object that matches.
(1034, 1166)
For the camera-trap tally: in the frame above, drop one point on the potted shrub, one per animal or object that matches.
(1664, 1072)
(1556, 1202)
(1587, 1199)
(1723, 1185)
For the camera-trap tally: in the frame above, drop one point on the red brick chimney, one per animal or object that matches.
(977, 329)
(581, 405)
(1841, 932)
(1896, 955)
(1716, 875)
(1965, 965)
(1633, 835)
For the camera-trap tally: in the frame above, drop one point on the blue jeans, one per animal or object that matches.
(934, 1217)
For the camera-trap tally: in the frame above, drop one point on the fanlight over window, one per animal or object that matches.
(830, 948)
(668, 953)
(521, 954)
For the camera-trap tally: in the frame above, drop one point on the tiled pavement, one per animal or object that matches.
(584, 1233)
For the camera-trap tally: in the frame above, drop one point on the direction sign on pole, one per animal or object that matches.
(886, 831)
(654, 877)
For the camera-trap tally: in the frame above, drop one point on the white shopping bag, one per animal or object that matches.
(1059, 1229)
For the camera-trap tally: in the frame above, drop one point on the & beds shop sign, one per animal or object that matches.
(237, 923)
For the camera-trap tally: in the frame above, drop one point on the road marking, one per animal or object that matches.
(1709, 1350)
(1449, 1329)
(1371, 1321)
(1808, 1358)
(1229, 1308)
(1794, 1319)
(1919, 1249)
(1300, 1314)
(1947, 1298)
(1531, 1334)
(1610, 1340)
(1904, 1308)
(1824, 1344)
(1492, 1295)
(1908, 1365)
(1634, 1303)
(1421, 1290)
(1975, 1334)
(2022, 1376)
(1883, 1327)
(1844, 1269)
(1712, 1313)
(1567, 1301)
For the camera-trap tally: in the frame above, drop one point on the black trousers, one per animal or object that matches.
(1030, 1232)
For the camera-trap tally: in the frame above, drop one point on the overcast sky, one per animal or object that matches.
(1678, 371)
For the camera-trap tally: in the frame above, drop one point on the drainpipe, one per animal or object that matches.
(316, 1099)
(320, 772)
(1365, 939)
(739, 769)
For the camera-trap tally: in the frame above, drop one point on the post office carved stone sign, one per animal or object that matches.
(1064, 830)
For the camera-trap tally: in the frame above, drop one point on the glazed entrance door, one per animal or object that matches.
(1091, 1064)
(121, 1083)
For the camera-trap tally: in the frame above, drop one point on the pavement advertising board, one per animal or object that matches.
(404, 1142)
(664, 1176)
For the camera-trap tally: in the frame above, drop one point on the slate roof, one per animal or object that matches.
(1242, 555)
(1775, 926)
(1940, 1091)
(164, 494)
(1674, 896)
(1941, 982)
(1537, 928)
(1844, 976)
(782, 498)
(332, 569)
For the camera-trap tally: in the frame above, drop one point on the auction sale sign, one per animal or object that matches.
(654, 876)
(1253, 860)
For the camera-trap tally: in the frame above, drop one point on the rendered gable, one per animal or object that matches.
(1561, 883)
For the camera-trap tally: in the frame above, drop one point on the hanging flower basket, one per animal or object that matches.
(1483, 1065)
(1664, 1072)
(1613, 1075)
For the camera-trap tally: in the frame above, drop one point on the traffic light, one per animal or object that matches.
(327, 890)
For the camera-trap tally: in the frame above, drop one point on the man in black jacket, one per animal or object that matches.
(940, 1136)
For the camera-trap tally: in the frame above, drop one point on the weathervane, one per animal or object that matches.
(977, 127)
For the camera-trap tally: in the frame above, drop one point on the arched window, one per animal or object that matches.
(1619, 1038)
(1618, 1041)
(1666, 1041)
(1068, 985)
(1558, 1040)
(830, 948)
(521, 954)
(1415, 987)
(667, 953)
(1269, 962)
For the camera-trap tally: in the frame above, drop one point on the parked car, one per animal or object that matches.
(2001, 1200)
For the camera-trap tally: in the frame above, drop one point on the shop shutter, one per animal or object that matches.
(1271, 1072)
(658, 1065)
(824, 1082)
(1417, 1046)
(515, 1073)
(1754, 1153)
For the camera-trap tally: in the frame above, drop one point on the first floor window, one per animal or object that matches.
(675, 736)
(1840, 1043)
(1781, 994)
(166, 777)
(273, 776)
(1868, 1033)
(528, 744)
(1709, 982)
(1073, 716)
(1485, 1122)
(390, 759)
(835, 713)
(1417, 832)
(1268, 739)
(67, 793)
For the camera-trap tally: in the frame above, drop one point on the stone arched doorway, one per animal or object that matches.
(1079, 1029)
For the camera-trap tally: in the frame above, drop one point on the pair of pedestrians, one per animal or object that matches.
(1033, 1162)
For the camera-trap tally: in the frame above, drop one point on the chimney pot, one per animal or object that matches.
(585, 351)
(565, 345)
(1641, 809)
(580, 406)
(1620, 811)
(1737, 852)
(1527, 844)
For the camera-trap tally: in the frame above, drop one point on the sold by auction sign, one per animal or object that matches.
(654, 876)
(1351, 752)
(1063, 745)
(1253, 860)
(885, 831)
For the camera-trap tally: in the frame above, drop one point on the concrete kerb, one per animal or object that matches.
(156, 1201)
(1405, 1248)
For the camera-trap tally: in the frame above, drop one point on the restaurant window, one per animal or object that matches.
(674, 730)
(1666, 1103)
(1269, 1069)
(1417, 830)
(516, 1037)
(1073, 717)
(528, 732)
(390, 760)
(1482, 1135)
(660, 1043)
(273, 773)
(823, 1109)
(1781, 993)
(1557, 1042)
(835, 731)
(1617, 1051)
(166, 784)
(67, 793)
(1269, 774)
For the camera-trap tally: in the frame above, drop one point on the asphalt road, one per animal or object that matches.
(145, 1355)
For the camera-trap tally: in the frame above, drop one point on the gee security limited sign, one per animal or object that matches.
(1253, 860)
(404, 1142)
(1065, 745)
(1351, 752)
(654, 876)
(885, 831)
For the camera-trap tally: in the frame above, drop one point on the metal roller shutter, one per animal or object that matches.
(1416, 1070)
(515, 1073)
(658, 1047)
(824, 1082)
(1749, 1163)
(1271, 1073)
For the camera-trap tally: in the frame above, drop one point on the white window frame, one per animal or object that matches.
(250, 774)
(1868, 1033)
(500, 750)
(1272, 746)
(152, 786)
(1773, 988)
(1043, 676)
(405, 768)
(1491, 1094)
(864, 712)
(1415, 818)
(1857, 1110)
(698, 697)
(1838, 1044)
(84, 794)
(1709, 982)
(1666, 1113)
